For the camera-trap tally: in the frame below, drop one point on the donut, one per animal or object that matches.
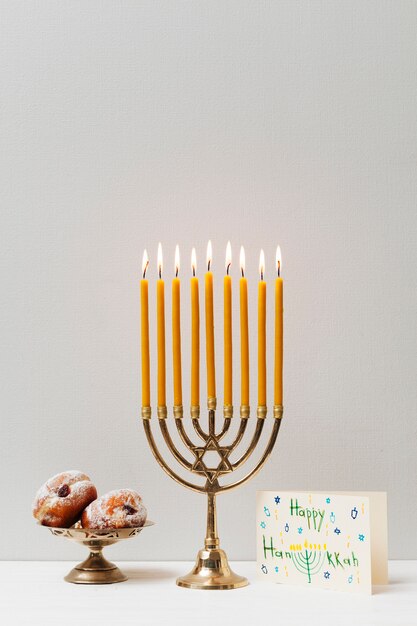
(122, 508)
(61, 500)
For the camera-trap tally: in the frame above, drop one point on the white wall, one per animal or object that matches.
(126, 123)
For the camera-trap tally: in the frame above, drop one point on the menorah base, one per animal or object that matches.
(212, 571)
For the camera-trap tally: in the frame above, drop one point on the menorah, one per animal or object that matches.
(212, 570)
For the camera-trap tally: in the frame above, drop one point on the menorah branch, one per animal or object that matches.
(163, 464)
(260, 464)
(256, 436)
(226, 426)
(239, 435)
(183, 434)
(200, 432)
(171, 446)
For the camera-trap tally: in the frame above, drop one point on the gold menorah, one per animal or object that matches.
(212, 570)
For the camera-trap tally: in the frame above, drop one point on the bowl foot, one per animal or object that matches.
(95, 570)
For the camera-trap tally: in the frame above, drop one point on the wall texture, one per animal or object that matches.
(124, 123)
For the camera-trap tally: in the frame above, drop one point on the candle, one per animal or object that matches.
(195, 334)
(176, 332)
(146, 388)
(228, 368)
(160, 308)
(278, 331)
(262, 333)
(211, 373)
(244, 333)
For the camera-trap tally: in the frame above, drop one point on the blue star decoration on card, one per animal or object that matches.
(277, 499)
(300, 530)
(328, 500)
(262, 525)
(327, 575)
(337, 531)
(277, 569)
(361, 537)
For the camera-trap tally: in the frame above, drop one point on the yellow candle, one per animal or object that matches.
(160, 308)
(228, 367)
(176, 333)
(244, 333)
(211, 372)
(195, 334)
(262, 333)
(278, 331)
(144, 309)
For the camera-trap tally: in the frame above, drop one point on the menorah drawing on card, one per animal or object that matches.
(212, 569)
(308, 562)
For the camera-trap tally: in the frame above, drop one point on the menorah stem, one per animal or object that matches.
(212, 569)
(212, 539)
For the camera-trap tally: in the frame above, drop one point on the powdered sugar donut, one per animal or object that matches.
(60, 501)
(122, 508)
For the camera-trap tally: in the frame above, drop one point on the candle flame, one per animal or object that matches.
(242, 260)
(228, 257)
(262, 264)
(159, 263)
(193, 261)
(145, 263)
(209, 256)
(177, 260)
(278, 261)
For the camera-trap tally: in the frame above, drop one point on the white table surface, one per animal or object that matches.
(35, 593)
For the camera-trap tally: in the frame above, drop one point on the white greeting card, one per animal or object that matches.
(330, 540)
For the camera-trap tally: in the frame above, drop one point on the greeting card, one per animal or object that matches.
(331, 540)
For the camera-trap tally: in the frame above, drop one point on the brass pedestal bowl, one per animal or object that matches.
(96, 570)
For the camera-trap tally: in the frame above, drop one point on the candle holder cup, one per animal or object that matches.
(212, 570)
